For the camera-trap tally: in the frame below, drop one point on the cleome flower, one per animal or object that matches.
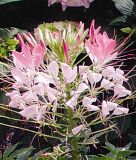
(100, 48)
(49, 86)
(71, 3)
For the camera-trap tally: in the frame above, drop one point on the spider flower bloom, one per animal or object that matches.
(29, 58)
(101, 48)
(71, 3)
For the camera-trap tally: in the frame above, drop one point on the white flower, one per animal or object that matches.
(108, 72)
(53, 69)
(30, 112)
(77, 129)
(121, 91)
(106, 84)
(69, 74)
(87, 102)
(94, 77)
(81, 88)
(73, 101)
(120, 110)
(105, 109)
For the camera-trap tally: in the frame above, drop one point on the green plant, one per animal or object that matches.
(116, 153)
(20, 154)
(127, 21)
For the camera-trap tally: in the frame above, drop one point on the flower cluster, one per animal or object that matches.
(71, 3)
(48, 84)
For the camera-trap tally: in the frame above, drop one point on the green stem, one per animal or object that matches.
(72, 124)
(74, 139)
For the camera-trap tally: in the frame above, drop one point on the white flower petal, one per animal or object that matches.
(81, 88)
(72, 102)
(69, 73)
(30, 112)
(120, 110)
(53, 69)
(112, 106)
(105, 109)
(77, 129)
(106, 84)
(92, 108)
(88, 101)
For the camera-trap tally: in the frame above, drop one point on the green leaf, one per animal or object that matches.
(9, 151)
(22, 154)
(124, 6)
(110, 146)
(125, 153)
(127, 30)
(7, 33)
(8, 1)
(119, 20)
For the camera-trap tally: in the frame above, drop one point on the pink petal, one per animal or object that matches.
(92, 108)
(30, 112)
(20, 39)
(18, 74)
(53, 69)
(112, 106)
(106, 84)
(77, 129)
(65, 47)
(120, 110)
(105, 109)
(19, 57)
(28, 40)
(72, 102)
(38, 54)
(81, 88)
(27, 55)
(69, 73)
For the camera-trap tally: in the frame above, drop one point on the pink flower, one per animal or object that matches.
(73, 101)
(29, 58)
(77, 129)
(111, 106)
(71, 3)
(69, 74)
(101, 48)
(121, 91)
(87, 102)
(120, 110)
(30, 112)
(65, 47)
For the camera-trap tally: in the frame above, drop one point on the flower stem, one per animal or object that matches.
(72, 124)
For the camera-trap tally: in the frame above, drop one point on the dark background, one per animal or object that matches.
(28, 14)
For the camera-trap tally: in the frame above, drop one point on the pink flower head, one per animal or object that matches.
(101, 48)
(71, 3)
(29, 58)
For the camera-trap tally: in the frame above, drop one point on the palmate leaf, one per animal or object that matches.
(124, 6)
(8, 1)
(6, 33)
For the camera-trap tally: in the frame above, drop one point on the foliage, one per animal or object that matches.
(51, 88)
(18, 154)
(8, 42)
(6, 46)
(128, 9)
(8, 1)
(119, 153)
